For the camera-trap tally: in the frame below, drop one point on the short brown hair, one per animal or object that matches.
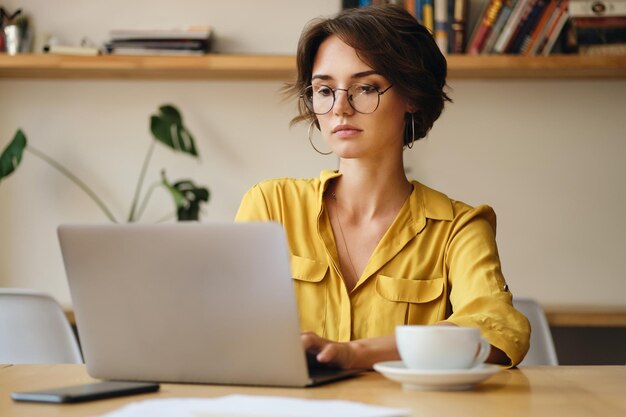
(393, 43)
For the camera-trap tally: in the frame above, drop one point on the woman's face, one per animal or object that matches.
(351, 134)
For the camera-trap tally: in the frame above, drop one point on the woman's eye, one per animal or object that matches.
(365, 89)
(324, 91)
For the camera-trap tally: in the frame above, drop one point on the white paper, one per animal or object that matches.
(253, 406)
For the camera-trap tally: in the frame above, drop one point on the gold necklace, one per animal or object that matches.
(343, 237)
(345, 245)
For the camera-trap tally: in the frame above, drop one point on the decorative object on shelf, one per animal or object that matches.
(167, 128)
(15, 33)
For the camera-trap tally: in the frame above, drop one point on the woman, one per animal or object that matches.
(369, 248)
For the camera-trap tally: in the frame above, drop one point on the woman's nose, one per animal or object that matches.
(342, 104)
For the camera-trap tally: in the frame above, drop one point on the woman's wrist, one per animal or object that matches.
(364, 353)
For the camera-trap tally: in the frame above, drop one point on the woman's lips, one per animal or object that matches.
(345, 131)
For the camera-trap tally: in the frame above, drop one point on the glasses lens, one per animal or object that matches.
(319, 99)
(363, 97)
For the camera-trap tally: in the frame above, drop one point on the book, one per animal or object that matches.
(603, 49)
(409, 5)
(192, 33)
(597, 30)
(441, 25)
(509, 28)
(526, 26)
(503, 17)
(154, 51)
(530, 46)
(427, 15)
(588, 8)
(554, 31)
(483, 27)
(459, 26)
(419, 11)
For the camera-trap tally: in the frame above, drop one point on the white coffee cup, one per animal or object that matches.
(441, 347)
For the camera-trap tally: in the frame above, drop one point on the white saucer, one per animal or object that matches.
(457, 379)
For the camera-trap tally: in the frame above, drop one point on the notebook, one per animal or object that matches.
(187, 303)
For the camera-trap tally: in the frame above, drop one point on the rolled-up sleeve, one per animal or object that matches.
(479, 295)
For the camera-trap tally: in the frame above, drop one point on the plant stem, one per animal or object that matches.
(144, 203)
(74, 179)
(142, 175)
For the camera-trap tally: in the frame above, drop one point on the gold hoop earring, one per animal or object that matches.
(311, 141)
(410, 145)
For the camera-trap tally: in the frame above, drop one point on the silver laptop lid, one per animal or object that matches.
(200, 303)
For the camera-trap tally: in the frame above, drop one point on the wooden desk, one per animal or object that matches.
(571, 391)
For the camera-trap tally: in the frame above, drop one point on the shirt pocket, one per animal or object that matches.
(310, 287)
(413, 301)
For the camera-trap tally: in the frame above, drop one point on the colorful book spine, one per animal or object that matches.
(503, 17)
(486, 22)
(555, 30)
(428, 15)
(419, 11)
(537, 35)
(526, 27)
(459, 26)
(409, 5)
(509, 28)
(441, 25)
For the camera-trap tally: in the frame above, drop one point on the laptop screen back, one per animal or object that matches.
(199, 303)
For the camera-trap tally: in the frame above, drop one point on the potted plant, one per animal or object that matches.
(167, 128)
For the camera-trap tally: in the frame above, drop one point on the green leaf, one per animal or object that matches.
(187, 196)
(167, 127)
(12, 155)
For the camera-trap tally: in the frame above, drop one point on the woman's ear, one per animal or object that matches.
(411, 108)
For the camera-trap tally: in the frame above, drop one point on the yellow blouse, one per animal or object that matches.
(438, 261)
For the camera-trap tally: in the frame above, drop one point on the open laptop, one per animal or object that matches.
(187, 302)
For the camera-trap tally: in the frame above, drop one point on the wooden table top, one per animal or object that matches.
(570, 391)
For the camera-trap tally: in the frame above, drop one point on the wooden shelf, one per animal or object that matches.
(282, 67)
(577, 316)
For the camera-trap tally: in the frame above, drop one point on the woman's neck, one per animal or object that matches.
(367, 191)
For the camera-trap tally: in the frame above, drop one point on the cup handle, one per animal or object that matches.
(483, 353)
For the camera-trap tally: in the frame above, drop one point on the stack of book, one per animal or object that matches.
(524, 27)
(446, 19)
(597, 27)
(193, 41)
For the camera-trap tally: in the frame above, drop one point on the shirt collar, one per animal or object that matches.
(432, 203)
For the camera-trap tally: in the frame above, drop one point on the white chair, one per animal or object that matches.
(542, 351)
(34, 329)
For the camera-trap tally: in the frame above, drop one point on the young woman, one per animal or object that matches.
(369, 248)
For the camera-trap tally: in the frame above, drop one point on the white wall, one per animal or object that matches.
(547, 155)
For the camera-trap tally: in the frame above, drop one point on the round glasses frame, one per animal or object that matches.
(307, 96)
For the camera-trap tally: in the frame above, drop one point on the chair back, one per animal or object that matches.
(542, 351)
(34, 329)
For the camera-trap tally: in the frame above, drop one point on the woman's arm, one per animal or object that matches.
(356, 354)
(364, 353)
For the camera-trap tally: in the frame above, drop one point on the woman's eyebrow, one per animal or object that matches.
(361, 74)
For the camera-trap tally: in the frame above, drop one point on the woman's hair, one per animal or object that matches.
(392, 42)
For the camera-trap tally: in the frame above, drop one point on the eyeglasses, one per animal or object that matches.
(363, 98)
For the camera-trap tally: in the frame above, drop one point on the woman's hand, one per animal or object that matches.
(357, 354)
(329, 352)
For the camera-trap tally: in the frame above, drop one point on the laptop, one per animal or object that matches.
(188, 303)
